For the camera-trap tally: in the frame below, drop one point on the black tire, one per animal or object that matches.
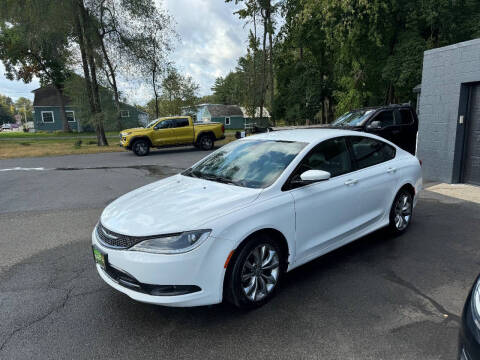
(235, 291)
(141, 147)
(401, 212)
(206, 142)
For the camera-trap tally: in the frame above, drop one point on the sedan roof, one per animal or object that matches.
(305, 135)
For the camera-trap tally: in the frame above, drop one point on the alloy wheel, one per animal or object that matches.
(141, 148)
(207, 142)
(403, 212)
(260, 272)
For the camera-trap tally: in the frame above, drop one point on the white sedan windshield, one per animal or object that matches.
(248, 163)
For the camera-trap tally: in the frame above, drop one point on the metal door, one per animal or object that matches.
(471, 168)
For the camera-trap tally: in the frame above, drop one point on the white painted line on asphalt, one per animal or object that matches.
(24, 169)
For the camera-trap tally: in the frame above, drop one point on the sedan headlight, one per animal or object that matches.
(173, 243)
(125, 134)
(476, 304)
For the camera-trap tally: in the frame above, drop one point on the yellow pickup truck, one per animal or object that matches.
(171, 131)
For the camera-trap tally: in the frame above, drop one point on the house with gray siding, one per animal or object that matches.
(232, 116)
(47, 117)
(449, 114)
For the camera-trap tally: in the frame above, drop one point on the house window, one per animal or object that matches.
(125, 113)
(70, 116)
(227, 121)
(47, 117)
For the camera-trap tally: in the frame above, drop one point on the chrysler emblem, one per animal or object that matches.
(107, 235)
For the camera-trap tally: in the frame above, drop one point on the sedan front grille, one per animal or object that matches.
(118, 241)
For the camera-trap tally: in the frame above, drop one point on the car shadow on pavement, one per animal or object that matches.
(175, 150)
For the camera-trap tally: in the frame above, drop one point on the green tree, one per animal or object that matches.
(120, 36)
(34, 43)
(24, 107)
(6, 110)
(178, 92)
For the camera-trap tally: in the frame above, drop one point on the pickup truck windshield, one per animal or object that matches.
(151, 123)
(247, 163)
(352, 118)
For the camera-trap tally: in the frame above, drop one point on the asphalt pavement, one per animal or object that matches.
(377, 298)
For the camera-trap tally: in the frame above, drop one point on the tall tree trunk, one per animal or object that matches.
(63, 114)
(270, 41)
(255, 52)
(154, 83)
(390, 96)
(113, 83)
(97, 113)
(86, 70)
(262, 96)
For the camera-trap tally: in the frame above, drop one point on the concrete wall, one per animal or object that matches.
(444, 71)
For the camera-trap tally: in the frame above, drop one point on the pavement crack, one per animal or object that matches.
(41, 318)
(393, 277)
(88, 292)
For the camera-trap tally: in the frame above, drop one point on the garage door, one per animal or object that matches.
(471, 173)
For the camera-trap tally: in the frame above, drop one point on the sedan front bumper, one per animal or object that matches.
(200, 271)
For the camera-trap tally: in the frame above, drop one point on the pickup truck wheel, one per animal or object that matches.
(141, 147)
(206, 142)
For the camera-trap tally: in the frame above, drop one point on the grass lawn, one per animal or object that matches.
(21, 134)
(53, 147)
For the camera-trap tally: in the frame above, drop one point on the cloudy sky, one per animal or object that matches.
(211, 40)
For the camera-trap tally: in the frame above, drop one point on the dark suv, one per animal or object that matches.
(397, 123)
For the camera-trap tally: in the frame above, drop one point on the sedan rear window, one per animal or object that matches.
(369, 152)
(247, 163)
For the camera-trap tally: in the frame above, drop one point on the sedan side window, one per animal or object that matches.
(331, 155)
(369, 152)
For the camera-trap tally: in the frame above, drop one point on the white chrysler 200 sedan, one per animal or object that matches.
(233, 223)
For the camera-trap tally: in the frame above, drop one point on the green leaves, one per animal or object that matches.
(368, 52)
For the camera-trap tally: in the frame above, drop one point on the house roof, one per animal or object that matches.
(224, 110)
(48, 96)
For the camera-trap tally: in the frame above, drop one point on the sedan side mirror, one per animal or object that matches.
(375, 125)
(311, 176)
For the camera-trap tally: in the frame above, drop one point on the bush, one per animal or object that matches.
(61, 132)
(78, 144)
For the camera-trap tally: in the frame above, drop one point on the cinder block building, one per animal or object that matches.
(449, 114)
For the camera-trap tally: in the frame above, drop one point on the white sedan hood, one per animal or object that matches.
(175, 204)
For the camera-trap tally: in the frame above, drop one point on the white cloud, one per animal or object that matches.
(212, 38)
(16, 89)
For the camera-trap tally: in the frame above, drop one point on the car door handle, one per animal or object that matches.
(391, 170)
(351, 182)
(396, 132)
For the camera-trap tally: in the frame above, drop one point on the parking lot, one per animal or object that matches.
(377, 298)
